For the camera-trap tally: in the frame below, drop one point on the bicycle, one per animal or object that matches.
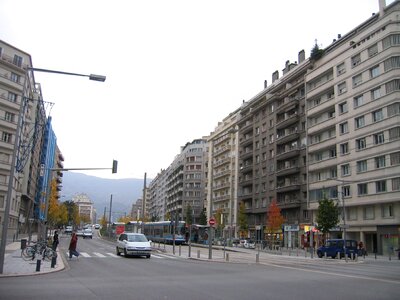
(41, 247)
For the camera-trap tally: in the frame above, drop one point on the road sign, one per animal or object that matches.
(211, 222)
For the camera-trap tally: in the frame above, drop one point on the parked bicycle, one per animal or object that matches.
(38, 248)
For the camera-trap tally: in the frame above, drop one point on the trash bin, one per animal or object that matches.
(23, 243)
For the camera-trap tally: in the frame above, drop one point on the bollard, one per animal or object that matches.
(257, 258)
(180, 246)
(297, 251)
(289, 251)
(198, 253)
(53, 261)
(352, 255)
(356, 259)
(375, 255)
(325, 255)
(227, 257)
(305, 252)
(38, 262)
(338, 255)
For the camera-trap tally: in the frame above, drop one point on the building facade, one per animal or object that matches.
(85, 207)
(353, 126)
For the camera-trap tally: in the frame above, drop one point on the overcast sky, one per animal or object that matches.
(174, 68)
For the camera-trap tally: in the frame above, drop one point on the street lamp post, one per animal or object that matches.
(3, 243)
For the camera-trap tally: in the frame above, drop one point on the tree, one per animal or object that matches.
(73, 212)
(275, 219)
(124, 219)
(203, 217)
(189, 215)
(316, 52)
(327, 215)
(242, 220)
(53, 214)
(103, 221)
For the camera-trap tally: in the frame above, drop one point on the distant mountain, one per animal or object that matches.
(125, 192)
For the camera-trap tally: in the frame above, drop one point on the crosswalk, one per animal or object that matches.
(113, 255)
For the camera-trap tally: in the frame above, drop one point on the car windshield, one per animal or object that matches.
(137, 238)
(88, 230)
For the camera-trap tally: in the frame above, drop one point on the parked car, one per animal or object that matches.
(79, 232)
(97, 226)
(135, 244)
(249, 244)
(87, 233)
(68, 230)
(334, 246)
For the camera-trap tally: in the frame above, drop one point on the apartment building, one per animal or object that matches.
(222, 174)
(85, 207)
(185, 180)
(157, 197)
(353, 126)
(20, 102)
(272, 153)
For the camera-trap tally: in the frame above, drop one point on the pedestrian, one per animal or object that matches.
(72, 246)
(55, 240)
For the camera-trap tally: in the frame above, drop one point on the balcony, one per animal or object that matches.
(288, 170)
(288, 103)
(287, 120)
(288, 152)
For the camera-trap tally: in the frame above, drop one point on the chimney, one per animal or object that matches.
(301, 56)
(265, 84)
(275, 76)
(382, 5)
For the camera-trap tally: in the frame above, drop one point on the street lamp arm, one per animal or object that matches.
(94, 77)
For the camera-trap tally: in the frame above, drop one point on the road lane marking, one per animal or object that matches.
(98, 254)
(84, 254)
(112, 254)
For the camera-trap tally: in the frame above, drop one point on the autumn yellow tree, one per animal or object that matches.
(54, 216)
(274, 219)
(125, 219)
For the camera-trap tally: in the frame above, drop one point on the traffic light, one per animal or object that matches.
(114, 166)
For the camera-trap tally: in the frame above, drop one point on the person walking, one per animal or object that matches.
(72, 246)
(55, 240)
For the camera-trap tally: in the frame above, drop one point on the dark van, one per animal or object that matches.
(334, 246)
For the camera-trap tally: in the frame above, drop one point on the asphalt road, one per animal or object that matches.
(100, 274)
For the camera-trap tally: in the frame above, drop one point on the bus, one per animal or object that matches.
(162, 231)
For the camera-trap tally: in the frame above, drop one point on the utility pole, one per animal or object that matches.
(144, 196)
(109, 218)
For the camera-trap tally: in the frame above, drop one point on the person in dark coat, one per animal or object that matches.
(72, 246)
(55, 240)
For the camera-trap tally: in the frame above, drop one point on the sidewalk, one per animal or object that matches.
(15, 265)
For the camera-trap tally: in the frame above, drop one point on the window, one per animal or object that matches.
(391, 63)
(377, 115)
(6, 137)
(373, 50)
(357, 79)
(1, 201)
(361, 166)
(352, 215)
(391, 40)
(376, 93)
(12, 97)
(380, 162)
(393, 109)
(358, 101)
(343, 107)
(340, 69)
(379, 138)
(346, 191)
(396, 184)
(361, 144)
(345, 169)
(332, 153)
(369, 213)
(344, 128)
(342, 88)
(380, 186)
(356, 60)
(395, 158)
(359, 122)
(394, 133)
(387, 210)
(15, 77)
(17, 60)
(344, 148)
(392, 86)
(362, 189)
(374, 72)
(9, 117)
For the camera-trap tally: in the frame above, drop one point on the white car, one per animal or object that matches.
(87, 233)
(249, 244)
(135, 244)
